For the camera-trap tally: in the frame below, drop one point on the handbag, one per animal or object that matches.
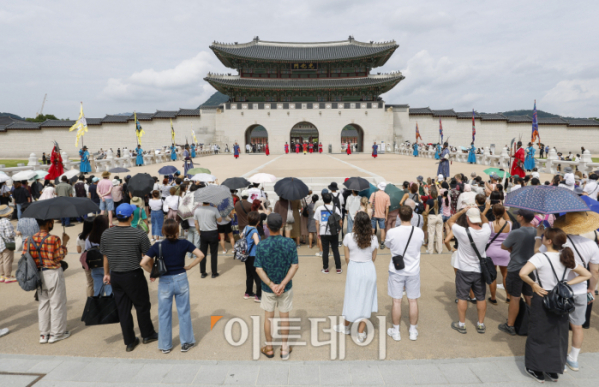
(141, 225)
(100, 310)
(19, 243)
(159, 267)
(290, 218)
(398, 260)
(10, 246)
(305, 212)
(487, 268)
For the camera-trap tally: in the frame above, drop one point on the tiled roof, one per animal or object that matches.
(464, 115)
(303, 52)
(165, 114)
(2, 128)
(58, 123)
(519, 119)
(94, 121)
(582, 122)
(23, 125)
(142, 116)
(444, 113)
(188, 112)
(492, 117)
(552, 121)
(312, 83)
(420, 111)
(115, 119)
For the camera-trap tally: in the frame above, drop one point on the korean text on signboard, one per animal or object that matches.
(304, 66)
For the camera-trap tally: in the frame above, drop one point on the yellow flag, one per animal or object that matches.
(80, 125)
(138, 129)
(193, 135)
(172, 132)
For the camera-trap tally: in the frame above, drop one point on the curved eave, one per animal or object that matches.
(225, 56)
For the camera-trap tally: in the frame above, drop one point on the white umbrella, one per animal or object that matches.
(263, 178)
(204, 177)
(4, 177)
(23, 175)
(70, 174)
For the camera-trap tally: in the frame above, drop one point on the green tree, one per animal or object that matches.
(42, 118)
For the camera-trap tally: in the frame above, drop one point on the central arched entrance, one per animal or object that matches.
(257, 137)
(354, 135)
(303, 132)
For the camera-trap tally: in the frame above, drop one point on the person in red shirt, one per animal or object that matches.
(348, 150)
(305, 148)
(311, 148)
(266, 150)
(320, 147)
(297, 147)
(518, 163)
(286, 148)
(56, 168)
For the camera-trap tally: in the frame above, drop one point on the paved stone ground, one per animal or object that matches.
(108, 372)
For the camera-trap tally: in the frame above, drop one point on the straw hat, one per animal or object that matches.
(137, 201)
(5, 210)
(577, 223)
(105, 174)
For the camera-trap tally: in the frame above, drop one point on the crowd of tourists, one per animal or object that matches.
(462, 215)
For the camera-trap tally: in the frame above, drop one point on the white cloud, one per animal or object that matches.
(569, 97)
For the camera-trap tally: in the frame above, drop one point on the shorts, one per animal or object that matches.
(578, 316)
(380, 221)
(271, 301)
(287, 227)
(515, 287)
(107, 205)
(225, 228)
(466, 280)
(398, 283)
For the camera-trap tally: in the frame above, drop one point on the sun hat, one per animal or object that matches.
(568, 170)
(105, 174)
(115, 182)
(382, 185)
(5, 210)
(245, 193)
(577, 223)
(333, 186)
(137, 201)
(440, 178)
(473, 215)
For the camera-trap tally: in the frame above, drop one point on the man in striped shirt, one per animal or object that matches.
(123, 247)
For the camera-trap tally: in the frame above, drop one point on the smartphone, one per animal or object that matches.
(590, 297)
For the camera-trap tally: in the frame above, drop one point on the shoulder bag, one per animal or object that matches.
(495, 237)
(10, 246)
(305, 212)
(487, 268)
(560, 299)
(159, 267)
(290, 218)
(398, 260)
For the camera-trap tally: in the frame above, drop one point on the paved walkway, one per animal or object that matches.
(106, 372)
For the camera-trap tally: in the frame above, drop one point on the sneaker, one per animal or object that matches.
(10, 279)
(507, 329)
(4, 332)
(342, 329)
(54, 339)
(395, 335)
(44, 339)
(573, 365)
(2, 279)
(325, 271)
(538, 376)
(319, 254)
(256, 299)
(187, 346)
(550, 376)
(382, 246)
(413, 334)
(165, 351)
(339, 271)
(248, 296)
(456, 325)
(481, 328)
(362, 337)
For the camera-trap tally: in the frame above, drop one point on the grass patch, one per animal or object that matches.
(13, 163)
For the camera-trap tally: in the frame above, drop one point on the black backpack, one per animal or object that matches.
(560, 299)
(333, 222)
(336, 202)
(94, 258)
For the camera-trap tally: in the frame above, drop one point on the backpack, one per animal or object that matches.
(333, 222)
(241, 250)
(28, 274)
(560, 299)
(94, 258)
(336, 202)
(80, 190)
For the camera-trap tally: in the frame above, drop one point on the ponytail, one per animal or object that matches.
(566, 257)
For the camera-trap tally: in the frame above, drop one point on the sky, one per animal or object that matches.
(121, 56)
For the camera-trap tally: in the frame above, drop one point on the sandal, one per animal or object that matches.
(286, 356)
(265, 352)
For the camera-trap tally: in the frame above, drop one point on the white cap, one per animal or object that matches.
(245, 192)
(440, 178)
(382, 186)
(473, 215)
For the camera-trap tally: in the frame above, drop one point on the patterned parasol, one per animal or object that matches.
(217, 195)
(544, 199)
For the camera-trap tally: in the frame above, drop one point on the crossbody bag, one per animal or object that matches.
(398, 260)
(487, 268)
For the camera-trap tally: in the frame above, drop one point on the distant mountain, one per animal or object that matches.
(123, 114)
(215, 100)
(16, 117)
(540, 114)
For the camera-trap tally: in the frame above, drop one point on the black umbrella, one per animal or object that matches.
(291, 188)
(73, 179)
(357, 184)
(60, 207)
(236, 183)
(140, 184)
(118, 170)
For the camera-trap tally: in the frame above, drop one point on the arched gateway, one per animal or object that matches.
(257, 137)
(303, 132)
(353, 134)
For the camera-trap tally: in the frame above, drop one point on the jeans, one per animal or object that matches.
(19, 212)
(157, 218)
(98, 277)
(209, 238)
(380, 221)
(350, 224)
(333, 240)
(175, 286)
(251, 276)
(65, 221)
(193, 237)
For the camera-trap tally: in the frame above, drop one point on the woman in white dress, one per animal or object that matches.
(360, 287)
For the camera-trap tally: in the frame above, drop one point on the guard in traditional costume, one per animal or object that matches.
(518, 163)
(187, 163)
(286, 148)
(305, 146)
(266, 150)
(472, 154)
(193, 151)
(311, 148)
(236, 150)
(84, 165)
(375, 149)
(139, 160)
(348, 149)
(320, 147)
(444, 163)
(437, 151)
(529, 162)
(173, 152)
(297, 148)
(56, 168)
(415, 147)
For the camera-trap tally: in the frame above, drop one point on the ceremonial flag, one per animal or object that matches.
(473, 127)
(535, 125)
(418, 136)
(138, 129)
(80, 125)
(172, 132)
(441, 130)
(193, 135)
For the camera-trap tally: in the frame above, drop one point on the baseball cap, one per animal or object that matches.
(274, 221)
(473, 215)
(526, 214)
(324, 190)
(440, 178)
(382, 186)
(245, 192)
(420, 178)
(125, 210)
(95, 180)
